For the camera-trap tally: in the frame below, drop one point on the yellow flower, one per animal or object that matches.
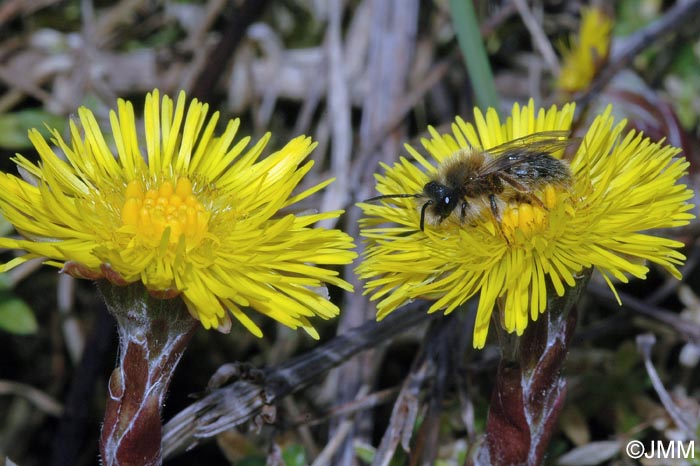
(588, 52)
(621, 185)
(184, 211)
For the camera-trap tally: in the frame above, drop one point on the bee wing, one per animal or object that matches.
(515, 152)
(559, 139)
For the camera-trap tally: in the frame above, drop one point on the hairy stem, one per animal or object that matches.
(153, 334)
(530, 391)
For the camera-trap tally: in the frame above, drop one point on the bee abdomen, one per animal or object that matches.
(540, 169)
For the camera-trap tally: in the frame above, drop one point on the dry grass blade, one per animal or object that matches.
(38, 398)
(685, 328)
(336, 196)
(688, 422)
(403, 415)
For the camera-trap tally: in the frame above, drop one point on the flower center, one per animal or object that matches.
(165, 210)
(523, 221)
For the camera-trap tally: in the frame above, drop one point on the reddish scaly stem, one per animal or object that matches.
(530, 392)
(153, 334)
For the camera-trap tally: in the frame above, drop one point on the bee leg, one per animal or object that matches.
(497, 216)
(522, 190)
(494, 208)
(512, 182)
(536, 200)
(463, 213)
(422, 214)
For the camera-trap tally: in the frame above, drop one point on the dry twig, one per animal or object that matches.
(243, 400)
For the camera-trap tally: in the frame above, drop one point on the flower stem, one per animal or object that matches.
(530, 392)
(153, 334)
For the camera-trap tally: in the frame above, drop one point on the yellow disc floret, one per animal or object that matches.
(164, 209)
(526, 219)
(523, 221)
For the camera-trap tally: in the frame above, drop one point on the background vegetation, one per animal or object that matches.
(362, 77)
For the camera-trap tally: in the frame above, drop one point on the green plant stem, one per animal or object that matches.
(474, 53)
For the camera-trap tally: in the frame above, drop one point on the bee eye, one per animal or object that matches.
(447, 200)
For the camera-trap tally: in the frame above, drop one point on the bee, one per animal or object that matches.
(472, 181)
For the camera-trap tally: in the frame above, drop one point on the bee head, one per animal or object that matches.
(443, 199)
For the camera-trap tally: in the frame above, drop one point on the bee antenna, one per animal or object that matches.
(390, 196)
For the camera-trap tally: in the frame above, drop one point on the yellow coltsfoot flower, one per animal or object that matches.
(181, 210)
(608, 194)
(587, 52)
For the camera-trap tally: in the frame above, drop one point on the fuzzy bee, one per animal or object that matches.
(473, 181)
